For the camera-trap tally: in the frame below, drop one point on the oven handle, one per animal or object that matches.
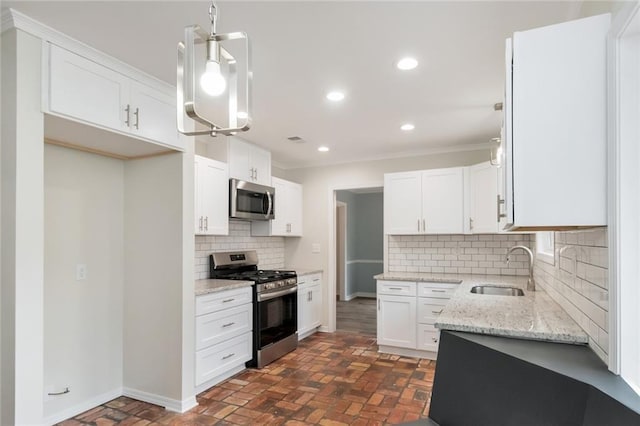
(270, 205)
(268, 296)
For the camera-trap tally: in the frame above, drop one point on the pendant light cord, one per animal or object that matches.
(213, 15)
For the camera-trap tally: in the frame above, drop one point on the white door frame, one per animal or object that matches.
(331, 247)
(623, 181)
(343, 288)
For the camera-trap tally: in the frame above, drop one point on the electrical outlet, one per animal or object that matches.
(81, 272)
(315, 248)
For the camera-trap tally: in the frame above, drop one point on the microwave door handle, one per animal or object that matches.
(270, 206)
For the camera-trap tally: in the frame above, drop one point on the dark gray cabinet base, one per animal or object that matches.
(479, 381)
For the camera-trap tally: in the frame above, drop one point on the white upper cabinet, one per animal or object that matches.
(249, 162)
(555, 125)
(211, 197)
(288, 211)
(89, 92)
(424, 202)
(483, 192)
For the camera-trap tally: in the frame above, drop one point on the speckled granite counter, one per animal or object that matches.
(212, 286)
(532, 316)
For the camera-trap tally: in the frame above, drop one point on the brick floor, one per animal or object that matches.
(331, 379)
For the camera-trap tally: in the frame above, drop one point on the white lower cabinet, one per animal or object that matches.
(224, 324)
(309, 304)
(407, 312)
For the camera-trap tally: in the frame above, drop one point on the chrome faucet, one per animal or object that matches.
(531, 285)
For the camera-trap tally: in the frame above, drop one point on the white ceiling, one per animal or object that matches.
(301, 50)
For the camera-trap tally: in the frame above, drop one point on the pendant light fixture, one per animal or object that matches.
(216, 79)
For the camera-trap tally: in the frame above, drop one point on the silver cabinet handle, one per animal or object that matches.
(227, 325)
(228, 356)
(251, 171)
(311, 296)
(316, 280)
(256, 169)
(128, 111)
(437, 312)
(206, 223)
(228, 300)
(438, 291)
(499, 214)
(66, 390)
(396, 288)
(470, 223)
(378, 304)
(424, 225)
(418, 224)
(137, 114)
(435, 339)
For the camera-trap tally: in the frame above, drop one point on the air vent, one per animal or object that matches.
(296, 139)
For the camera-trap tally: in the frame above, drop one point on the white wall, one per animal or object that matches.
(84, 207)
(22, 230)
(318, 184)
(153, 267)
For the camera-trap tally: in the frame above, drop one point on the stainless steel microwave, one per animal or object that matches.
(251, 201)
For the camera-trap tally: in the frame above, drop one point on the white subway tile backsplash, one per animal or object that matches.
(270, 249)
(463, 254)
(579, 282)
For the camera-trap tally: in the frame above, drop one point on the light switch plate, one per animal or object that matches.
(81, 272)
(315, 248)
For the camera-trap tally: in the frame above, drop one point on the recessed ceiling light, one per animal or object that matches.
(323, 149)
(406, 127)
(242, 115)
(335, 96)
(407, 63)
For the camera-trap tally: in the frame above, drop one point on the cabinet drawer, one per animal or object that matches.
(222, 300)
(428, 337)
(218, 359)
(398, 288)
(429, 308)
(309, 279)
(221, 325)
(438, 290)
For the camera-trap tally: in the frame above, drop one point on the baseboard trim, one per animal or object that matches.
(168, 403)
(364, 294)
(413, 353)
(82, 407)
(221, 378)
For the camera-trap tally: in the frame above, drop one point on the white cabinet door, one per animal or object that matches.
(403, 203)
(304, 316)
(240, 160)
(249, 162)
(261, 163)
(397, 321)
(558, 134)
(279, 224)
(211, 197)
(152, 115)
(443, 201)
(483, 196)
(295, 210)
(87, 91)
(316, 302)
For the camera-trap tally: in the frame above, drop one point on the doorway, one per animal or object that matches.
(359, 256)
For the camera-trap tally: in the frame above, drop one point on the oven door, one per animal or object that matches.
(277, 315)
(250, 201)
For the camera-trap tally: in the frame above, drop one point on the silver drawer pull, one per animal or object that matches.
(438, 291)
(228, 356)
(435, 339)
(65, 391)
(231, 323)
(437, 312)
(396, 288)
(228, 300)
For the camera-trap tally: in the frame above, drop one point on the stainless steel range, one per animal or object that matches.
(275, 303)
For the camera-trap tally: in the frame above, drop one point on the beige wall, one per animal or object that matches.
(84, 214)
(318, 182)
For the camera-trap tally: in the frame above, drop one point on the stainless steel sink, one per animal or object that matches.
(495, 290)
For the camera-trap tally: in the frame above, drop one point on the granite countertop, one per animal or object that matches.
(533, 316)
(303, 271)
(212, 286)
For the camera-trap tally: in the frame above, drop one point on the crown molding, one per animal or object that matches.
(12, 18)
